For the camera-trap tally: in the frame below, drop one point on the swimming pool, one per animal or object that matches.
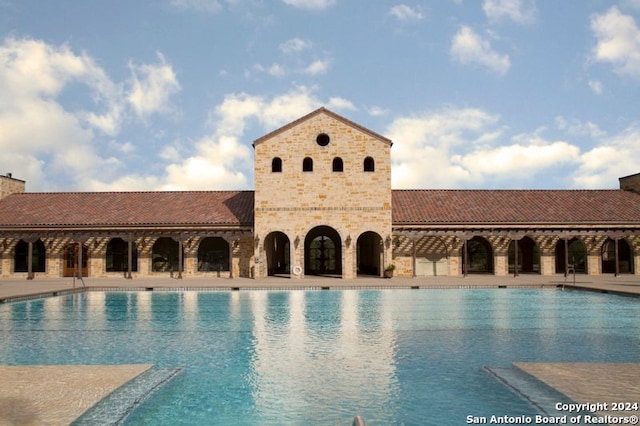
(321, 357)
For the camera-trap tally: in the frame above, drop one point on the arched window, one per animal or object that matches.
(369, 165)
(307, 164)
(117, 256)
(338, 165)
(276, 165)
(213, 255)
(21, 256)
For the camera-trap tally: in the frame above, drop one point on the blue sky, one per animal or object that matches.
(170, 94)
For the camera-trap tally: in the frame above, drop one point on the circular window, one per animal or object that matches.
(323, 139)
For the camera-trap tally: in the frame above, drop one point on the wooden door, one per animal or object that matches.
(71, 261)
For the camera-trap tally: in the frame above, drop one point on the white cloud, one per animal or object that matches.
(221, 160)
(596, 86)
(337, 103)
(468, 48)
(517, 160)
(197, 5)
(614, 157)
(402, 12)
(151, 87)
(463, 147)
(34, 125)
(317, 67)
(618, 41)
(579, 128)
(295, 45)
(377, 111)
(518, 11)
(310, 4)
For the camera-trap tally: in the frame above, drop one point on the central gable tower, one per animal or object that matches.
(322, 199)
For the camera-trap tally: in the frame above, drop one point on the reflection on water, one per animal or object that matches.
(282, 357)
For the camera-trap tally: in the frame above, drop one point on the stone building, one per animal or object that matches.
(322, 205)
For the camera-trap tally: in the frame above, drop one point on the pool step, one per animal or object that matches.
(537, 393)
(117, 406)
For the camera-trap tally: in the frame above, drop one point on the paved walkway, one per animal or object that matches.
(628, 284)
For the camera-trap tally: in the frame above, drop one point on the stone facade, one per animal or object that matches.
(339, 196)
(10, 185)
(630, 183)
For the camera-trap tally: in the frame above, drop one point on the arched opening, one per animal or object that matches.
(213, 255)
(431, 257)
(478, 257)
(369, 165)
(528, 256)
(117, 256)
(368, 253)
(276, 165)
(307, 164)
(70, 253)
(625, 257)
(576, 256)
(338, 165)
(21, 257)
(278, 251)
(323, 252)
(164, 255)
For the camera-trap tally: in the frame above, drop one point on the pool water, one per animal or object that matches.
(321, 357)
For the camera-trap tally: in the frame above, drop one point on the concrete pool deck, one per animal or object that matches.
(57, 394)
(42, 399)
(623, 284)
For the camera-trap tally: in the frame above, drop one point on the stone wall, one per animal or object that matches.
(294, 201)
(630, 183)
(10, 185)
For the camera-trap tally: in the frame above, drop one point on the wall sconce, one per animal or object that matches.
(235, 243)
(296, 242)
(348, 240)
(387, 241)
(256, 241)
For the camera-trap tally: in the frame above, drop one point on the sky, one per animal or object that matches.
(121, 95)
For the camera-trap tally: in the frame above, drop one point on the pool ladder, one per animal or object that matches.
(570, 270)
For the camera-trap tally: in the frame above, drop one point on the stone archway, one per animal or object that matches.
(277, 248)
(575, 255)
(323, 252)
(368, 254)
(624, 257)
(478, 257)
(528, 256)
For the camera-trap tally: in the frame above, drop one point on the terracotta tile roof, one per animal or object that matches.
(215, 208)
(127, 208)
(515, 206)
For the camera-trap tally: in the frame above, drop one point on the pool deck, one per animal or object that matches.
(45, 394)
(623, 284)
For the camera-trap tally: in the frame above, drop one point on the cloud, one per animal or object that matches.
(596, 86)
(36, 129)
(223, 160)
(342, 104)
(151, 87)
(317, 67)
(402, 12)
(197, 5)
(614, 157)
(468, 48)
(310, 4)
(617, 41)
(295, 45)
(466, 147)
(518, 11)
